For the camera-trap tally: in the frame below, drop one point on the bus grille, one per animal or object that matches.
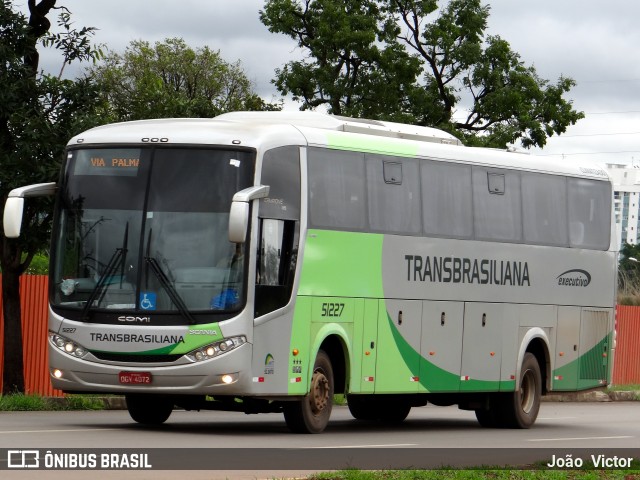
(118, 357)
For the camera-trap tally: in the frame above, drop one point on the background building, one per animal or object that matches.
(626, 186)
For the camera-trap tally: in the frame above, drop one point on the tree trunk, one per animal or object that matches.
(13, 371)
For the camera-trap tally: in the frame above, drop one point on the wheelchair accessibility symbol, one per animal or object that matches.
(148, 300)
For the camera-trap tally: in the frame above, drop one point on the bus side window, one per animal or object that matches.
(277, 254)
(278, 229)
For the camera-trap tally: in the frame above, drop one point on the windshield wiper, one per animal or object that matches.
(170, 289)
(166, 283)
(117, 257)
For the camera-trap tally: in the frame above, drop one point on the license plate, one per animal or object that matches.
(135, 378)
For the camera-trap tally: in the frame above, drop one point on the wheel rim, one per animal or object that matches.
(527, 391)
(319, 397)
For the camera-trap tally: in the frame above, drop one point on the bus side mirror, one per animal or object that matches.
(14, 206)
(240, 208)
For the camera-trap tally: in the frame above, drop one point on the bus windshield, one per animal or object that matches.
(146, 230)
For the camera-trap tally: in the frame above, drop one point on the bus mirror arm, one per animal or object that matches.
(14, 205)
(239, 213)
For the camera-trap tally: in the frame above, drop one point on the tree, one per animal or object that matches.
(414, 61)
(355, 66)
(629, 275)
(38, 114)
(171, 79)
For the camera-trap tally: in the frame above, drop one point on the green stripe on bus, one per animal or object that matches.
(366, 143)
(342, 264)
(587, 371)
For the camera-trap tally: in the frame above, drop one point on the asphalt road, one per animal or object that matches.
(234, 445)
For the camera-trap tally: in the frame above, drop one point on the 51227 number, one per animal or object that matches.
(332, 309)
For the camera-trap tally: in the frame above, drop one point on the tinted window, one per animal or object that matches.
(393, 190)
(497, 205)
(589, 213)
(281, 171)
(544, 199)
(336, 189)
(446, 199)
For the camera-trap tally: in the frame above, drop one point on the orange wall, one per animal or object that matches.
(33, 292)
(33, 301)
(626, 365)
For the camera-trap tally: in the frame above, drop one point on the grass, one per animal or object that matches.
(623, 388)
(474, 474)
(23, 403)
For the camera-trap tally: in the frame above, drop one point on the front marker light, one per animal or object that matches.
(217, 348)
(67, 346)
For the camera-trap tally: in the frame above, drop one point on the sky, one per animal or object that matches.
(595, 44)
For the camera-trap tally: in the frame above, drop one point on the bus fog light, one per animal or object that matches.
(227, 379)
(217, 348)
(57, 373)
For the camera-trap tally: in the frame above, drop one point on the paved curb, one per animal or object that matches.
(597, 396)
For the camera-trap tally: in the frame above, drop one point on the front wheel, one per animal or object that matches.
(149, 409)
(311, 414)
(521, 407)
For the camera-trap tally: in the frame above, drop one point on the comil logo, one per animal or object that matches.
(574, 278)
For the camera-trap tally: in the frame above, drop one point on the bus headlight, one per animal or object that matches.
(216, 349)
(67, 346)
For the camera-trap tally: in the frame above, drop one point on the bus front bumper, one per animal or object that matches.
(227, 374)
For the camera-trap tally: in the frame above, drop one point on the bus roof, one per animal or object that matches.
(262, 130)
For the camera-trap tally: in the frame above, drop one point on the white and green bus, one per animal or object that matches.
(263, 262)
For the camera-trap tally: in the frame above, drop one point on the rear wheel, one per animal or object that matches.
(377, 408)
(394, 412)
(491, 416)
(486, 418)
(311, 414)
(520, 408)
(361, 408)
(149, 409)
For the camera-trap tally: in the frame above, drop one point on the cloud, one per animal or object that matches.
(593, 43)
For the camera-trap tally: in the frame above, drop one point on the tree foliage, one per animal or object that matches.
(420, 62)
(629, 275)
(38, 114)
(171, 79)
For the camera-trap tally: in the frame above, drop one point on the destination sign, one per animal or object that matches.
(107, 162)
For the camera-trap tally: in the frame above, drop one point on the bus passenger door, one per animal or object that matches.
(441, 346)
(481, 347)
(398, 350)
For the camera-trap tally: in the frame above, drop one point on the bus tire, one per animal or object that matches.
(361, 409)
(488, 418)
(376, 408)
(393, 412)
(311, 414)
(491, 416)
(149, 409)
(521, 407)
